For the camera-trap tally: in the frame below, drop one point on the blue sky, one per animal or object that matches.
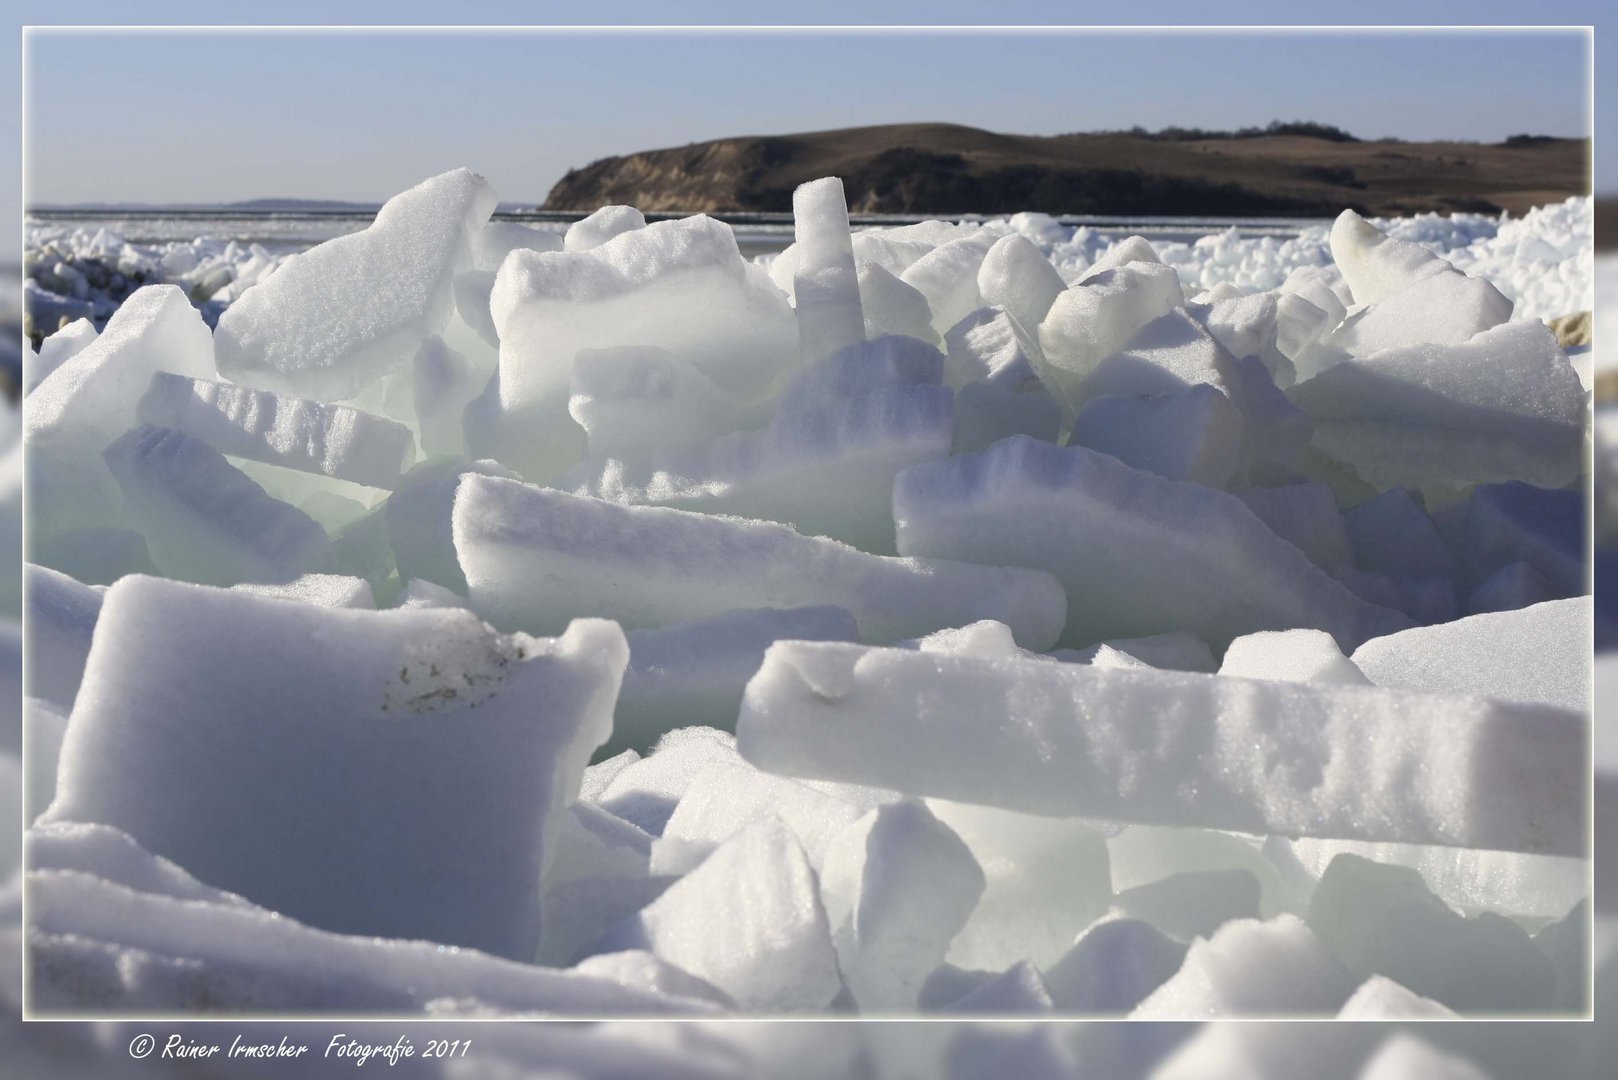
(193, 116)
(211, 116)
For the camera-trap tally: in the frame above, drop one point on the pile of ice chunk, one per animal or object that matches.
(483, 622)
(1544, 261)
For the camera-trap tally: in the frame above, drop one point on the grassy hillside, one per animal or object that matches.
(946, 168)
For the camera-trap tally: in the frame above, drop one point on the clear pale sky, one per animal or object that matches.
(183, 116)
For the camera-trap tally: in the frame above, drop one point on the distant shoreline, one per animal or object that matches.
(944, 169)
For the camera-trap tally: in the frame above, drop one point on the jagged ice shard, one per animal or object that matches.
(1138, 553)
(340, 315)
(825, 284)
(532, 555)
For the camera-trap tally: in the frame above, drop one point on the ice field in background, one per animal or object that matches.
(971, 619)
(1541, 260)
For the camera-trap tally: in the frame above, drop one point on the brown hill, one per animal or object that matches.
(946, 168)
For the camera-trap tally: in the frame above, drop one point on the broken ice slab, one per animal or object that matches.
(1131, 249)
(1252, 968)
(291, 332)
(1098, 317)
(1470, 879)
(1392, 534)
(534, 556)
(1016, 277)
(1302, 656)
(1046, 879)
(443, 383)
(1535, 654)
(295, 433)
(825, 283)
(893, 249)
(472, 289)
(948, 276)
(635, 403)
(494, 241)
(988, 346)
(1323, 288)
(679, 285)
(1138, 553)
(55, 351)
(1248, 325)
(898, 885)
(94, 556)
(1020, 990)
(1376, 266)
(1192, 903)
(1382, 920)
(727, 797)
(1306, 515)
(748, 920)
(1171, 353)
(1514, 586)
(416, 520)
(93, 394)
(1142, 854)
(431, 755)
(1444, 309)
(1192, 434)
(645, 791)
(90, 400)
(985, 414)
(61, 619)
(164, 943)
(601, 226)
(859, 370)
(826, 469)
(1514, 522)
(204, 520)
(1171, 748)
(692, 673)
(892, 307)
(1112, 967)
(1504, 405)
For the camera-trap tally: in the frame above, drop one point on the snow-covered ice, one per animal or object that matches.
(400, 824)
(1274, 968)
(1504, 405)
(90, 400)
(825, 285)
(1382, 920)
(898, 886)
(1533, 654)
(1303, 514)
(205, 520)
(333, 440)
(354, 309)
(748, 920)
(1138, 553)
(681, 285)
(599, 556)
(1172, 748)
(691, 674)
